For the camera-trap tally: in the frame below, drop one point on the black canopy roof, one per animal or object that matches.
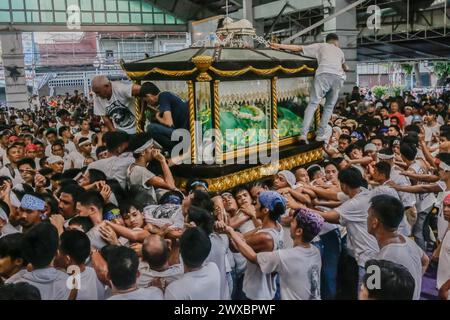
(164, 67)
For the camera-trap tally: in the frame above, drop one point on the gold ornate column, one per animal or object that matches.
(317, 117)
(191, 102)
(218, 133)
(139, 112)
(274, 103)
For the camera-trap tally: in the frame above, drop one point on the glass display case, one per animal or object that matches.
(245, 94)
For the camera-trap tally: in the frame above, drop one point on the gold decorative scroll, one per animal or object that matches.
(171, 73)
(248, 175)
(191, 102)
(216, 126)
(260, 72)
(274, 103)
(204, 76)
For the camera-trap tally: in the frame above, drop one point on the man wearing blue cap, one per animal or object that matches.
(32, 208)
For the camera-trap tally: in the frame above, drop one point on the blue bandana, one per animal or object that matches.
(269, 199)
(111, 214)
(32, 203)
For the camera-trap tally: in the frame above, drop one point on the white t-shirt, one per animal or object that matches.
(203, 284)
(409, 255)
(3, 155)
(48, 150)
(408, 199)
(218, 255)
(120, 108)
(247, 226)
(70, 147)
(442, 224)
(50, 282)
(424, 201)
(329, 58)
(299, 271)
(408, 120)
(430, 131)
(138, 175)
(147, 275)
(404, 228)
(353, 216)
(150, 293)
(17, 179)
(95, 238)
(77, 159)
(257, 285)
(90, 287)
(80, 135)
(115, 167)
(443, 272)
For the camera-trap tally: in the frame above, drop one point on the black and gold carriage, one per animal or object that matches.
(241, 93)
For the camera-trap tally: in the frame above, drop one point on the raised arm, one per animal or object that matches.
(134, 236)
(290, 47)
(420, 188)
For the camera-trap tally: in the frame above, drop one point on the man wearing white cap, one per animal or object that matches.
(56, 163)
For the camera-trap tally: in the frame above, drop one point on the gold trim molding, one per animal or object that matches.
(202, 66)
(248, 175)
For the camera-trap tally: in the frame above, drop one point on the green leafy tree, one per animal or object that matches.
(442, 71)
(379, 91)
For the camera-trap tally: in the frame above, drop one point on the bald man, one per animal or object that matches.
(155, 262)
(114, 102)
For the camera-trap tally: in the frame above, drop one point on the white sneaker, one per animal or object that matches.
(321, 138)
(302, 139)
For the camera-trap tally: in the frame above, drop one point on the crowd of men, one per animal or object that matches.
(91, 212)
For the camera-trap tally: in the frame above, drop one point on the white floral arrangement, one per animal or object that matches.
(258, 114)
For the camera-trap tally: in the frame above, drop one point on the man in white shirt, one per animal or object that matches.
(200, 281)
(155, 262)
(10, 169)
(123, 265)
(408, 199)
(431, 126)
(299, 266)
(40, 245)
(352, 214)
(74, 250)
(85, 131)
(328, 81)
(66, 137)
(116, 166)
(425, 201)
(443, 272)
(383, 220)
(114, 102)
(83, 151)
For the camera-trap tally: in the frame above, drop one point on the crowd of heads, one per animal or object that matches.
(73, 193)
